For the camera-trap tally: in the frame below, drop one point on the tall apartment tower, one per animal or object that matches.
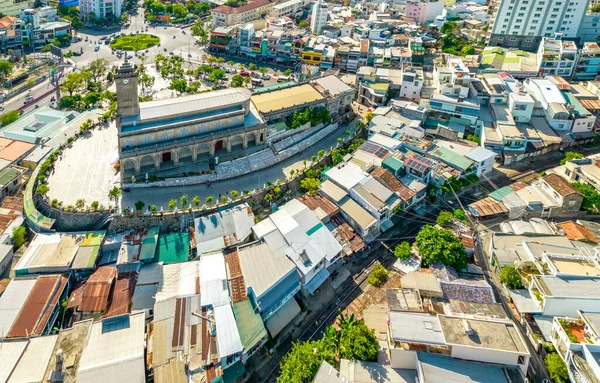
(523, 23)
(318, 18)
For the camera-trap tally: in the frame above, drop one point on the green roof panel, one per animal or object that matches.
(249, 324)
(174, 248)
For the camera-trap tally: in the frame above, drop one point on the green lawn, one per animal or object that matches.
(134, 42)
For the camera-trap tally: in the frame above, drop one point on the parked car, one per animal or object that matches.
(129, 57)
(28, 99)
(106, 42)
(265, 77)
(254, 75)
(97, 48)
(245, 73)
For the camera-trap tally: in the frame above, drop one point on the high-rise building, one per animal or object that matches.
(101, 8)
(523, 23)
(318, 18)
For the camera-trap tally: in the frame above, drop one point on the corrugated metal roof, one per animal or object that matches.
(94, 238)
(499, 194)
(174, 248)
(172, 372)
(33, 309)
(488, 206)
(282, 317)
(148, 250)
(97, 289)
(10, 352)
(228, 337)
(34, 361)
(122, 294)
(11, 302)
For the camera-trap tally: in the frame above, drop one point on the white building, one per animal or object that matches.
(294, 230)
(557, 57)
(101, 8)
(552, 102)
(318, 18)
(424, 11)
(453, 80)
(523, 25)
(412, 83)
(289, 8)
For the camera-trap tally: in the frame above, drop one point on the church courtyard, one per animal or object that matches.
(86, 169)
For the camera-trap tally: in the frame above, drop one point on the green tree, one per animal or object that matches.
(287, 72)
(179, 10)
(43, 189)
(440, 245)
(92, 98)
(19, 236)
(172, 204)
(444, 218)
(557, 369)
(139, 205)
(570, 156)
(303, 361)
(403, 250)
(460, 215)
(153, 208)
(196, 201)
(114, 193)
(233, 193)
(321, 153)
(511, 277)
(183, 201)
(357, 341)
(303, 24)
(223, 199)
(473, 138)
(97, 69)
(9, 117)
(209, 200)
(147, 81)
(216, 75)
(95, 205)
(591, 197)
(263, 70)
(378, 276)
(237, 81)
(310, 185)
(6, 68)
(252, 66)
(179, 85)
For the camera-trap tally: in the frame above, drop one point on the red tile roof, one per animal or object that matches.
(244, 8)
(577, 232)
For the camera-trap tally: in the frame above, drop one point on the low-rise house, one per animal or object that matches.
(297, 232)
(405, 194)
(271, 281)
(226, 228)
(91, 298)
(563, 296)
(27, 360)
(463, 287)
(114, 348)
(29, 306)
(566, 196)
(224, 15)
(495, 341)
(373, 94)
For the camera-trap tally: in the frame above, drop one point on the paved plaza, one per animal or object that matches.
(86, 169)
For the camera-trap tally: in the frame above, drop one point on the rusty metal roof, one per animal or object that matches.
(122, 294)
(33, 310)
(97, 289)
(237, 286)
(488, 206)
(577, 232)
(314, 202)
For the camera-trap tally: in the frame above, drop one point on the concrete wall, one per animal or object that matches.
(489, 356)
(166, 222)
(69, 221)
(403, 358)
(567, 307)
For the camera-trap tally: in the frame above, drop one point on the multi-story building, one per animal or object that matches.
(557, 56)
(224, 15)
(424, 11)
(412, 83)
(590, 27)
(101, 8)
(11, 33)
(588, 65)
(523, 24)
(318, 18)
(290, 8)
(42, 26)
(453, 80)
(12, 7)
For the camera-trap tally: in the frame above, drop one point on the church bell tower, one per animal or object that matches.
(126, 81)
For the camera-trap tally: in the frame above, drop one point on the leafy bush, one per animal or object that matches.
(378, 276)
(511, 277)
(9, 117)
(591, 197)
(557, 369)
(136, 42)
(19, 236)
(310, 185)
(473, 138)
(460, 215)
(444, 218)
(569, 156)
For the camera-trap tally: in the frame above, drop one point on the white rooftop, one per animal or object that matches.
(346, 175)
(114, 351)
(228, 337)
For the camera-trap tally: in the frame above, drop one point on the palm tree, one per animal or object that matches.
(172, 204)
(304, 162)
(183, 201)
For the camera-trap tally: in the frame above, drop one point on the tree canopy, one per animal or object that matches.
(403, 250)
(378, 276)
(19, 236)
(6, 68)
(444, 218)
(591, 197)
(440, 245)
(9, 117)
(351, 339)
(310, 185)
